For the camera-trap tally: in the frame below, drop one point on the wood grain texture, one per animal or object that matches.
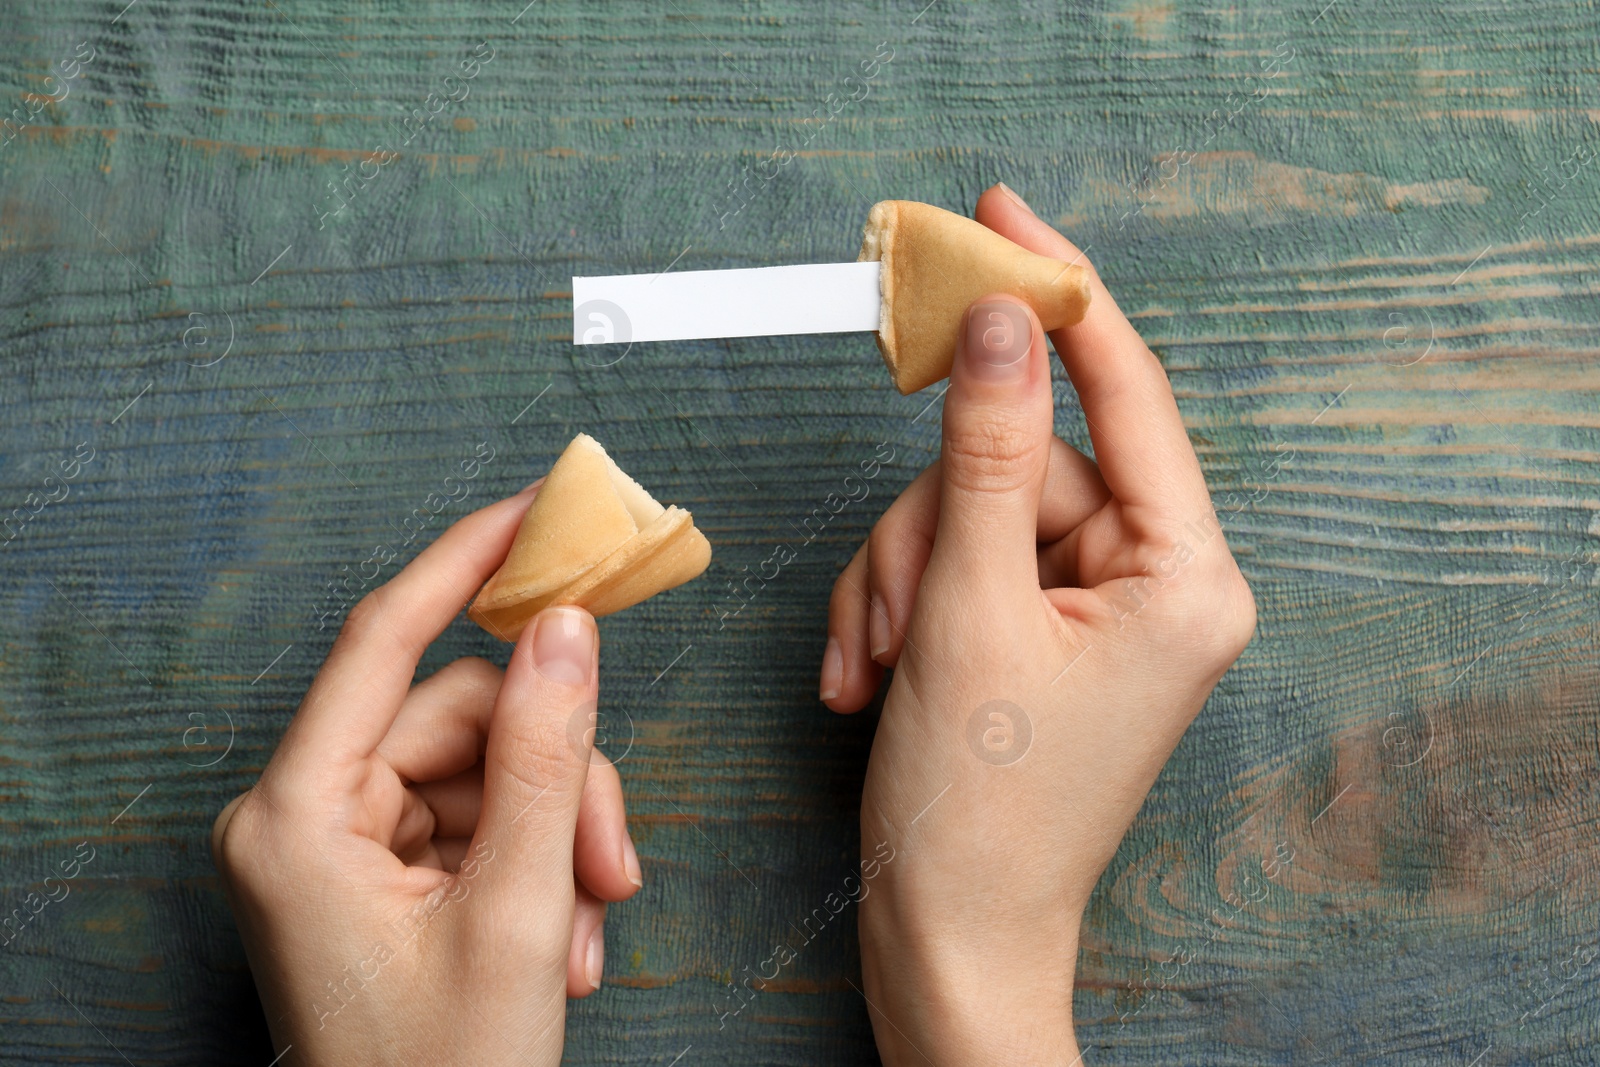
(1375, 290)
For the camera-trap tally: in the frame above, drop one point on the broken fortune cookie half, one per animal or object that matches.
(593, 538)
(936, 263)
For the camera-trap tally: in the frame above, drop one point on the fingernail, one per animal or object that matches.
(997, 340)
(832, 670)
(1011, 195)
(536, 483)
(878, 627)
(630, 861)
(595, 958)
(563, 645)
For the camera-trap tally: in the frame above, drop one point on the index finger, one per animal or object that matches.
(1140, 444)
(358, 692)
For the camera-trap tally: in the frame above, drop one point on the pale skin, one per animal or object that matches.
(454, 842)
(451, 843)
(1098, 597)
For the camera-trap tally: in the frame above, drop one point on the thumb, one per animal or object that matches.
(536, 761)
(997, 430)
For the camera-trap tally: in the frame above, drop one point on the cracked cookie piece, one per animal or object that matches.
(935, 263)
(594, 538)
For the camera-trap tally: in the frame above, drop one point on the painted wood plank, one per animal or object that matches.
(1371, 275)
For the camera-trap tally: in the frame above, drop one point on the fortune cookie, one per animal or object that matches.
(593, 538)
(936, 263)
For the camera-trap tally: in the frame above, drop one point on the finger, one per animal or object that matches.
(359, 691)
(995, 451)
(456, 802)
(444, 721)
(1058, 562)
(426, 856)
(1139, 440)
(451, 851)
(902, 539)
(586, 964)
(1073, 491)
(603, 856)
(849, 676)
(411, 840)
(537, 763)
(897, 553)
(220, 826)
(437, 811)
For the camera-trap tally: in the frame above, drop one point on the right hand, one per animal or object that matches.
(1055, 623)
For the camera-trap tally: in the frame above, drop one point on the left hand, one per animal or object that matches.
(421, 873)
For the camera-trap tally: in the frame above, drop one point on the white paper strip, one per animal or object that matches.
(747, 302)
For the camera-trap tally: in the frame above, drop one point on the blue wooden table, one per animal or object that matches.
(267, 277)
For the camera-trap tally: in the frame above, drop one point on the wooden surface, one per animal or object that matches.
(1371, 274)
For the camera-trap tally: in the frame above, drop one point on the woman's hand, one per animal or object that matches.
(421, 873)
(1055, 624)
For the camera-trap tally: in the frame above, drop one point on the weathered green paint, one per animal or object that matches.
(1417, 719)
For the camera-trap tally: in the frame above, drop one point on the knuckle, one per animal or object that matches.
(1222, 614)
(368, 622)
(1237, 615)
(895, 539)
(478, 667)
(417, 821)
(361, 620)
(1200, 594)
(988, 455)
(537, 751)
(502, 920)
(1144, 384)
(478, 673)
(236, 837)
